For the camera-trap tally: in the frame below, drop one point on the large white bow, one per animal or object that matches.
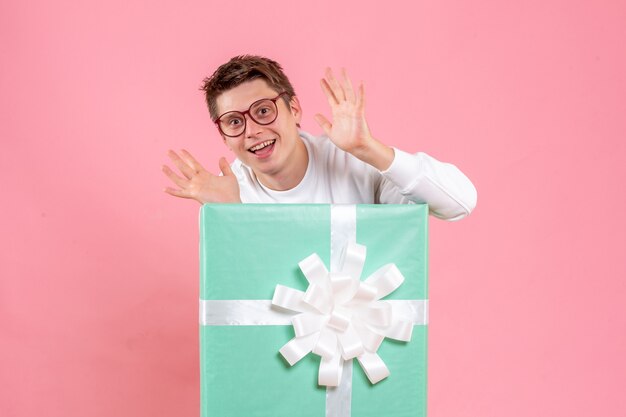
(342, 317)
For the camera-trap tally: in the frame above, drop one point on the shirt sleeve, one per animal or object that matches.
(420, 178)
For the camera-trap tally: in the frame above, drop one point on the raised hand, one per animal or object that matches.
(198, 183)
(348, 129)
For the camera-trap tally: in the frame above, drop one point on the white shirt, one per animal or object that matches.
(337, 177)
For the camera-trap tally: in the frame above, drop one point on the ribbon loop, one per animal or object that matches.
(364, 294)
(330, 371)
(374, 367)
(289, 298)
(351, 345)
(344, 287)
(317, 296)
(326, 345)
(298, 347)
(339, 319)
(353, 260)
(307, 323)
(386, 280)
(371, 340)
(313, 269)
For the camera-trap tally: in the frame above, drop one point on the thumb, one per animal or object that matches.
(225, 167)
(324, 123)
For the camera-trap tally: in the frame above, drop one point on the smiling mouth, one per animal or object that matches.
(261, 146)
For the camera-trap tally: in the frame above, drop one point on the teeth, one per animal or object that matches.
(262, 145)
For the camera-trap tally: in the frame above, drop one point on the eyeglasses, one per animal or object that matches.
(262, 112)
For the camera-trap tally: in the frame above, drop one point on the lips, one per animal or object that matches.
(263, 149)
(262, 145)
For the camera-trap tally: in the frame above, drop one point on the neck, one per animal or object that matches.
(292, 173)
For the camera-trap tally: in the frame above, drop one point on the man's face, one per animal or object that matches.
(264, 148)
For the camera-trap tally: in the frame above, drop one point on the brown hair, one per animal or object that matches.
(244, 68)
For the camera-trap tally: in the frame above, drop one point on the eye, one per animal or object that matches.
(234, 121)
(263, 111)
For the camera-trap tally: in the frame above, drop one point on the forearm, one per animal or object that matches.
(423, 179)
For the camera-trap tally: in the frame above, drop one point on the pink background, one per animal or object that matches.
(98, 269)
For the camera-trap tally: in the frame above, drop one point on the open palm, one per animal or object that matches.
(348, 129)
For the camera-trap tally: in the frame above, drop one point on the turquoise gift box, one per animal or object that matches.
(245, 251)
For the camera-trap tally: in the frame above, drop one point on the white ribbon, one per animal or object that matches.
(342, 317)
(261, 312)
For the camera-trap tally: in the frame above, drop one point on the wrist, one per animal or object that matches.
(233, 200)
(375, 153)
(218, 197)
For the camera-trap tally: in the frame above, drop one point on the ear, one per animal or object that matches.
(296, 110)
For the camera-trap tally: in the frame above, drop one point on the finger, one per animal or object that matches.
(324, 123)
(176, 193)
(181, 165)
(360, 102)
(348, 86)
(225, 167)
(181, 182)
(330, 96)
(191, 161)
(334, 85)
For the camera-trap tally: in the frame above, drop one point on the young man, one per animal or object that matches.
(257, 113)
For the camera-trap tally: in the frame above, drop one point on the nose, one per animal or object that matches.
(252, 127)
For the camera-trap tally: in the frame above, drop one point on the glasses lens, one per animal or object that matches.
(232, 123)
(263, 112)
